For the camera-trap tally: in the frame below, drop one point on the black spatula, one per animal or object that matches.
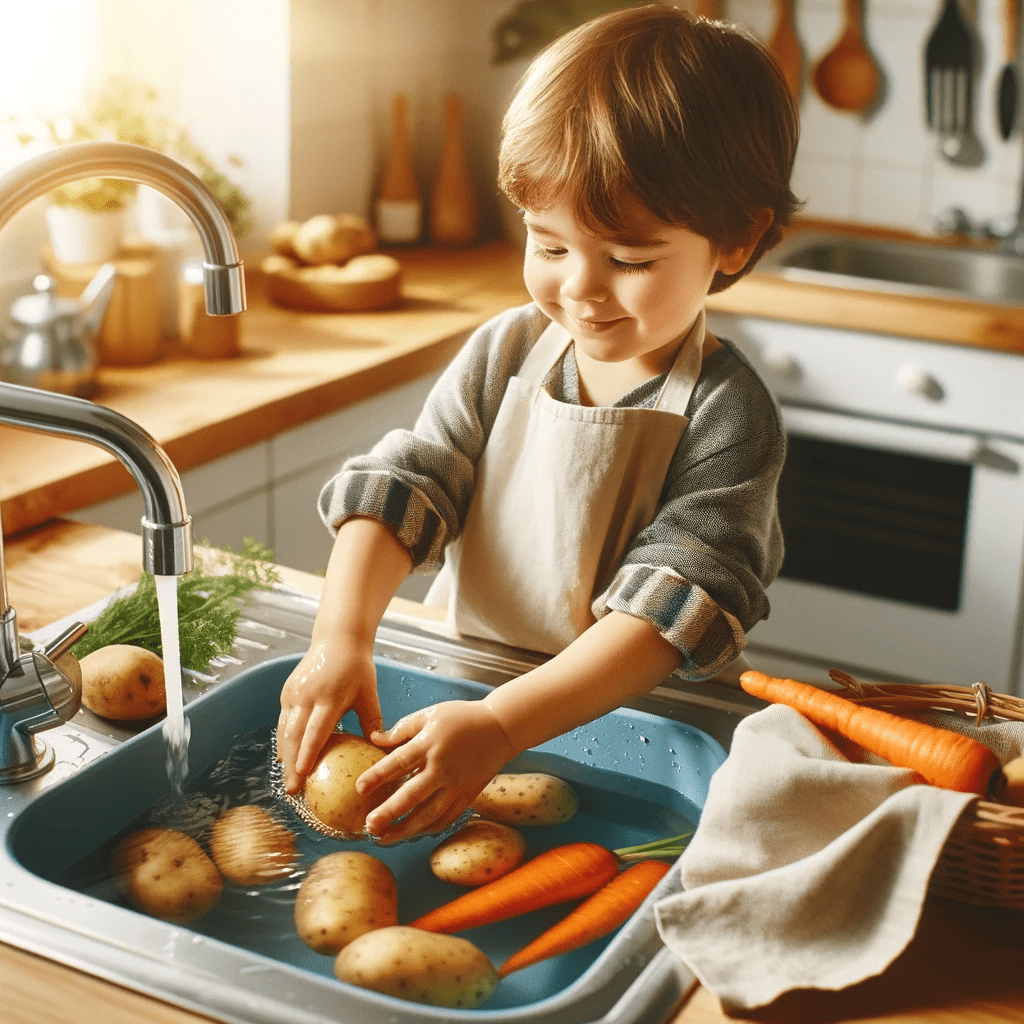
(1006, 101)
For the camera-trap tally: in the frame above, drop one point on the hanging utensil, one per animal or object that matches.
(1007, 95)
(949, 65)
(847, 77)
(785, 47)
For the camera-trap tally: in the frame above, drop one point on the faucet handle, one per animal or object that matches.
(63, 643)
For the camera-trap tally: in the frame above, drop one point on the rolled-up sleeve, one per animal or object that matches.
(420, 481)
(699, 571)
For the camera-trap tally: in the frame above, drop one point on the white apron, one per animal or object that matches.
(561, 492)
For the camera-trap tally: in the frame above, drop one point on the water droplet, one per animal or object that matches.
(644, 739)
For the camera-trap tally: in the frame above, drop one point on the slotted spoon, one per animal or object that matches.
(949, 68)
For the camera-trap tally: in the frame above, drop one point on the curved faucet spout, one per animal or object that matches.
(166, 526)
(222, 270)
(35, 693)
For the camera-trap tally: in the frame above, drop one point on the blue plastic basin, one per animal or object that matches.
(640, 777)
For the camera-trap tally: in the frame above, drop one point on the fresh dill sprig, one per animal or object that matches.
(209, 606)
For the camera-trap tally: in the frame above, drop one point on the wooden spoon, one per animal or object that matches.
(847, 77)
(785, 47)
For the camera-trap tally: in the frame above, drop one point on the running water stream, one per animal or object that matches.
(175, 728)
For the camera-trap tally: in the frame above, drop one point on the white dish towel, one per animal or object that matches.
(807, 870)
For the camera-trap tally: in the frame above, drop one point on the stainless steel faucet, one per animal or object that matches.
(35, 693)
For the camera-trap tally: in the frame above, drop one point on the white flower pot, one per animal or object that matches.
(84, 236)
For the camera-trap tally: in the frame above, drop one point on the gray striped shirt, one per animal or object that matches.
(714, 545)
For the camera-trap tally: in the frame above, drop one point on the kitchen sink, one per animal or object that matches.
(904, 267)
(642, 773)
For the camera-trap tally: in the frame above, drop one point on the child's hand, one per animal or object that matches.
(454, 749)
(330, 679)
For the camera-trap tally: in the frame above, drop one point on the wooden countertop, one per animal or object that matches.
(293, 367)
(296, 366)
(964, 967)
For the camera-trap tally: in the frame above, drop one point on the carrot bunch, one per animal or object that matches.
(941, 757)
(564, 873)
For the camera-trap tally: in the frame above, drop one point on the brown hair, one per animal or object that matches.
(690, 117)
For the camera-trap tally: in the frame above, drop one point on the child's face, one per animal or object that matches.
(633, 297)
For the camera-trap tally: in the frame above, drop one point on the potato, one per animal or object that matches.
(167, 874)
(343, 896)
(124, 683)
(363, 284)
(479, 852)
(333, 239)
(250, 847)
(282, 237)
(279, 264)
(527, 798)
(441, 970)
(330, 788)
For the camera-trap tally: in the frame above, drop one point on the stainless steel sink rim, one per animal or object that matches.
(899, 267)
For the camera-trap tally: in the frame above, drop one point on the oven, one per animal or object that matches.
(902, 506)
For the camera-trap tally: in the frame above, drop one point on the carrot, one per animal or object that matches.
(942, 757)
(564, 873)
(602, 913)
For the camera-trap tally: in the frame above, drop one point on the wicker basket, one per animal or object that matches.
(982, 862)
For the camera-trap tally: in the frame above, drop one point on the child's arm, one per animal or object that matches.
(366, 568)
(455, 748)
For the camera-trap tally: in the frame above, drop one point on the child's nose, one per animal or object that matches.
(584, 282)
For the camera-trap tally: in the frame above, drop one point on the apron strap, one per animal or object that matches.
(682, 378)
(546, 351)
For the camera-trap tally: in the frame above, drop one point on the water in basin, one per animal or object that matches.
(905, 267)
(640, 777)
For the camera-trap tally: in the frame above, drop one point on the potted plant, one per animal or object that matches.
(125, 111)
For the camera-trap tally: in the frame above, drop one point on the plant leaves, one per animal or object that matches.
(209, 606)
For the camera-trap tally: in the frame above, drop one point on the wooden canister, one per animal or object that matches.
(131, 332)
(211, 337)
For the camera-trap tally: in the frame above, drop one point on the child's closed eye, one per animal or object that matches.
(632, 268)
(546, 253)
(626, 266)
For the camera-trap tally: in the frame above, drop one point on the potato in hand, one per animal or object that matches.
(330, 788)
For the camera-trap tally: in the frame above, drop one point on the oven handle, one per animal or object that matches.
(900, 438)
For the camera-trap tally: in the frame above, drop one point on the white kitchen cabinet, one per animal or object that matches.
(226, 497)
(269, 490)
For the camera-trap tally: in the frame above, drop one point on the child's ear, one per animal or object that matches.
(732, 261)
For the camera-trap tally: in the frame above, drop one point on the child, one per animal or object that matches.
(597, 472)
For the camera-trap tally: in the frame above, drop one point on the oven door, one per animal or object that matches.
(904, 548)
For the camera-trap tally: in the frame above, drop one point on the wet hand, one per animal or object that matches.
(449, 752)
(330, 679)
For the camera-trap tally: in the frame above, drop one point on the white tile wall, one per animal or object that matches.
(884, 168)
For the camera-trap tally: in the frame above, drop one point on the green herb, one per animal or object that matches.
(209, 606)
(673, 847)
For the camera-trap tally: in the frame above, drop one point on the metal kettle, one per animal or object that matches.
(51, 341)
